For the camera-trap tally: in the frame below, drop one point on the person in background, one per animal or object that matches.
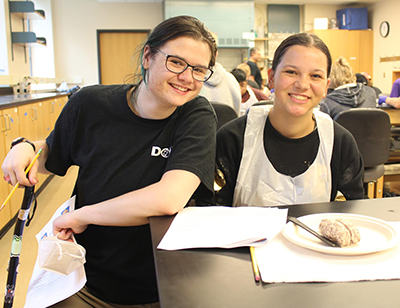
(290, 153)
(255, 75)
(246, 68)
(249, 94)
(394, 98)
(142, 151)
(222, 88)
(370, 84)
(347, 93)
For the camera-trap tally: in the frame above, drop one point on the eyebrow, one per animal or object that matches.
(295, 67)
(199, 65)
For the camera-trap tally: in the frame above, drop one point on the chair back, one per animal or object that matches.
(224, 113)
(264, 102)
(371, 130)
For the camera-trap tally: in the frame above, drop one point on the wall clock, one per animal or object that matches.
(384, 29)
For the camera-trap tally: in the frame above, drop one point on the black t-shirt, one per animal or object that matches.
(118, 152)
(290, 157)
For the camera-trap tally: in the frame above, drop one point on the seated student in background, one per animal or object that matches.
(249, 95)
(247, 70)
(394, 98)
(347, 92)
(367, 77)
(222, 87)
(289, 153)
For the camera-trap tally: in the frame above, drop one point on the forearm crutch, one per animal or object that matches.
(23, 213)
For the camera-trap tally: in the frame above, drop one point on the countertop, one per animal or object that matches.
(7, 101)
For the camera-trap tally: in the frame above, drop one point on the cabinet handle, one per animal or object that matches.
(9, 121)
(52, 107)
(4, 127)
(35, 114)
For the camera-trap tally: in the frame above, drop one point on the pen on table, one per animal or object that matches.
(255, 264)
(26, 172)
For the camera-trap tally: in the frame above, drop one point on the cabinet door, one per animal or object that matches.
(353, 49)
(5, 213)
(355, 45)
(47, 116)
(12, 132)
(28, 115)
(33, 125)
(11, 116)
(366, 52)
(55, 107)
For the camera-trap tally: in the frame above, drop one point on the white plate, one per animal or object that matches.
(376, 234)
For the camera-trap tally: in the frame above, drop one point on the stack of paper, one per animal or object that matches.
(223, 227)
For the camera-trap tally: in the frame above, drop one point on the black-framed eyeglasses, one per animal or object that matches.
(177, 65)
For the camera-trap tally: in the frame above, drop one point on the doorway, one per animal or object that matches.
(118, 54)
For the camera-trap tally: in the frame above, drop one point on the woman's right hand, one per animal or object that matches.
(15, 163)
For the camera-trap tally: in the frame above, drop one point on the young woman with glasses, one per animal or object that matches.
(142, 151)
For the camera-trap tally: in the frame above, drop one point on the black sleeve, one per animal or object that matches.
(194, 144)
(347, 166)
(229, 154)
(61, 138)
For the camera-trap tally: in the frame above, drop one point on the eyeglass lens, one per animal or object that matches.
(177, 66)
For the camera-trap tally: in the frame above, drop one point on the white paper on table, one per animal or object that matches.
(47, 288)
(223, 227)
(282, 261)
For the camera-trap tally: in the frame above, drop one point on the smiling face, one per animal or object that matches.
(300, 81)
(166, 90)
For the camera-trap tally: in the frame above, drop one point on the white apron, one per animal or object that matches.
(259, 184)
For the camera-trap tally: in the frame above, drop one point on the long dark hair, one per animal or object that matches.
(176, 27)
(302, 39)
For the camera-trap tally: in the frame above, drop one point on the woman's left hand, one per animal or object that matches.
(68, 224)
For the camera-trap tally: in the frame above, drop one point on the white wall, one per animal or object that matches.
(3, 42)
(75, 23)
(43, 56)
(74, 26)
(385, 10)
(18, 64)
(312, 11)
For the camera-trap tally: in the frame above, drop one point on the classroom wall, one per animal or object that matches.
(75, 23)
(43, 57)
(312, 11)
(385, 10)
(75, 39)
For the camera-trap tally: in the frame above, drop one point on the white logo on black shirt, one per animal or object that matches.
(157, 151)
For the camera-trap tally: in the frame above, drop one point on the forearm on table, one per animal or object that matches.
(166, 197)
(393, 101)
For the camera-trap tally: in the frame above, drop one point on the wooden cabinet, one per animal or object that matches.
(33, 121)
(355, 45)
(10, 131)
(5, 213)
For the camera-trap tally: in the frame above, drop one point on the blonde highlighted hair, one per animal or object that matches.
(341, 73)
(246, 68)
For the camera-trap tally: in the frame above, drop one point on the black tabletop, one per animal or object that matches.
(8, 101)
(209, 278)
